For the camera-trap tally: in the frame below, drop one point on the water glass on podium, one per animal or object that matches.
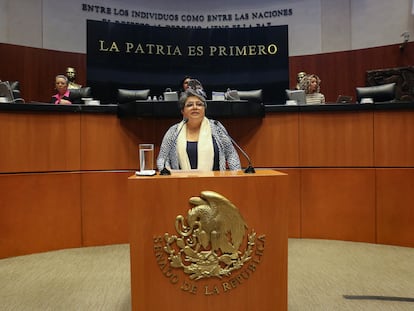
(146, 157)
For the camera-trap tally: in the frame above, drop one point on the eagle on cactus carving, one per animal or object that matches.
(209, 238)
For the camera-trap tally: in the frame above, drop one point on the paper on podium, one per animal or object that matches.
(145, 173)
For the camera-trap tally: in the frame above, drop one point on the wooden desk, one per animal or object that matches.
(261, 283)
(170, 109)
(343, 166)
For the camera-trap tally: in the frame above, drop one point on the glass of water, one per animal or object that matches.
(146, 157)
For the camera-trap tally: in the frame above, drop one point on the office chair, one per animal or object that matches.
(76, 95)
(126, 96)
(379, 93)
(254, 96)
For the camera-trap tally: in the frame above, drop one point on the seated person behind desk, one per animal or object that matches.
(311, 85)
(184, 84)
(62, 95)
(201, 143)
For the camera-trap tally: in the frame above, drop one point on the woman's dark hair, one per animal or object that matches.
(180, 87)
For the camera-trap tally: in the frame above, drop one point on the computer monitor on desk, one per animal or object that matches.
(344, 99)
(170, 95)
(297, 95)
(6, 94)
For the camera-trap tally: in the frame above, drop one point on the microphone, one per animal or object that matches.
(250, 169)
(165, 170)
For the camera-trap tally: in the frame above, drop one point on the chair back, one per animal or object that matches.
(255, 96)
(379, 93)
(126, 96)
(76, 95)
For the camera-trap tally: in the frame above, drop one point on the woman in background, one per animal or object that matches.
(62, 95)
(197, 142)
(311, 85)
(184, 84)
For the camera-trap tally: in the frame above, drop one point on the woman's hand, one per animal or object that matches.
(65, 102)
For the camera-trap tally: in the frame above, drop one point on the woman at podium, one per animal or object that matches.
(197, 142)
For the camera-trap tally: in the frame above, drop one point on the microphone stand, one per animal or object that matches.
(250, 169)
(165, 171)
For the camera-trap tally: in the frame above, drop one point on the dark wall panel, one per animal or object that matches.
(36, 69)
(341, 72)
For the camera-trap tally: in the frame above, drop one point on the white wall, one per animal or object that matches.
(4, 20)
(21, 22)
(316, 26)
(336, 25)
(376, 23)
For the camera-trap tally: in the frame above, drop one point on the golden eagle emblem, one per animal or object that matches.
(209, 239)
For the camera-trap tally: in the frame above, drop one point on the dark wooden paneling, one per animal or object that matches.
(341, 72)
(338, 204)
(269, 142)
(33, 142)
(334, 203)
(336, 139)
(39, 213)
(395, 210)
(104, 208)
(107, 144)
(154, 204)
(292, 199)
(36, 69)
(394, 139)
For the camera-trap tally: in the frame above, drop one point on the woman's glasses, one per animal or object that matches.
(197, 104)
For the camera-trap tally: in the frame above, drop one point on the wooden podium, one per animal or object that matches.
(259, 283)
